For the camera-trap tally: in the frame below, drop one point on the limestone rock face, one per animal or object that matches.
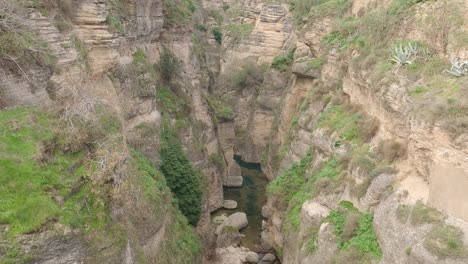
(228, 236)
(313, 213)
(231, 255)
(92, 29)
(304, 70)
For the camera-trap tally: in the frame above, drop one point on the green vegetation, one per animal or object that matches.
(354, 231)
(282, 62)
(32, 169)
(138, 79)
(341, 121)
(115, 24)
(169, 64)
(303, 10)
(201, 27)
(217, 34)
(446, 241)
(177, 12)
(181, 177)
(82, 51)
(183, 245)
(315, 63)
(376, 37)
(170, 103)
(239, 31)
(293, 187)
(312, 242)
(182, 238)
(139, 56)
(290, 180)
(222, 111)
(216, 15)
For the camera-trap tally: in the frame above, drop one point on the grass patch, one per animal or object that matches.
(30, 176)
(354, 231)
(221, 109)
(293, 187)
(115, 24)
(239, 31)
(316, 63)
(337, 118)
(446, 241)
(282, 62)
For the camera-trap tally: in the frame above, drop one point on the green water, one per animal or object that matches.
(250, 198)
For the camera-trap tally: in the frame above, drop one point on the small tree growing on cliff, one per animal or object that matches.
(181, 177)
(168, 64)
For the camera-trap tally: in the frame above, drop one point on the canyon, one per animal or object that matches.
(125, 125)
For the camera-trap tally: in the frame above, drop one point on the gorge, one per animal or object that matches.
(338, 127)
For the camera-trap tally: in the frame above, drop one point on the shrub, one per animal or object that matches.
(200, 27)
(248, 75)
(181, 177)
(222, 111)
(390, 150)
(216, 15)
(177, 12)
(282, 62)
(169, 64)
(217, 34)
(115, 24)
(239, 31)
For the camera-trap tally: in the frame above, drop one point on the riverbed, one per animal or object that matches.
(250, 199)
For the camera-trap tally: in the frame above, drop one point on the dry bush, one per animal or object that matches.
(21, 47)
(390, 150)
(248, 74)
(350, 225)
(323, 183)
(368, 127)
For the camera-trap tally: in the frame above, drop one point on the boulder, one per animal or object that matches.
(234, 181)
(269, 257)
(219, 219)
(251, 257)
(313, 213)
(305, 70)
(229, 204)
(267, 212)
(228, 236)
(238, 220)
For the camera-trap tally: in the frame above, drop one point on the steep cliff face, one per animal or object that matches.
(104, 84)
(396, 130)
(351, 107)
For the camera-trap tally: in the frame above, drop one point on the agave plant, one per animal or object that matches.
(403, 54)
(459, 68)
